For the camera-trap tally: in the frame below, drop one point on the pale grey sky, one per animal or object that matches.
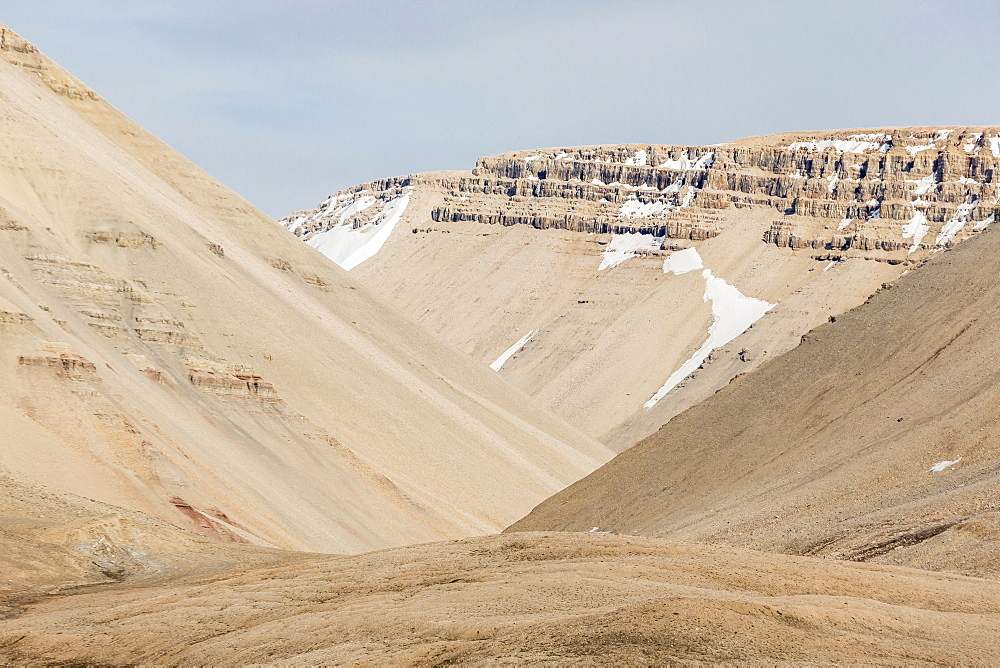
(287, 101)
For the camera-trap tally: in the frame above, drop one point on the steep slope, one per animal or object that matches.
(168, 349)
(600, 278)
(527, 599)
(875, 439)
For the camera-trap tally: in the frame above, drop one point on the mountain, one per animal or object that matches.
(874, 440)
(619, 285)
(169, 350)
(187, 386)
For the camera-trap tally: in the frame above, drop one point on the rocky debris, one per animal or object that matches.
(228, 380)
(19, 51)
(212, 524)
(8, 223)
(125, 239)
(66, 365)
(15, 318)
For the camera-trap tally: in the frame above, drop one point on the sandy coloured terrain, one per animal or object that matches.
(526, 598)
(169, 349)
(875, 439)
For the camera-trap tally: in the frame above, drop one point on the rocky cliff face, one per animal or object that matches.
(538, 240)
(910, 189)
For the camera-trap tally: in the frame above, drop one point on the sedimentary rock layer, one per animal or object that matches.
(569, 243)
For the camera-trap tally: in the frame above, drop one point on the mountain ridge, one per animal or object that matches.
(574, 244)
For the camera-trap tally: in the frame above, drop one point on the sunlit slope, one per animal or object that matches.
(168, 348)
(875, 439)
(527, 599)
(621, 284)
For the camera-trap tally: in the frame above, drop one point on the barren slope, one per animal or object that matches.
(528, 598)
(167, 348)
(875, 439)
(51, 542)
(562, 257)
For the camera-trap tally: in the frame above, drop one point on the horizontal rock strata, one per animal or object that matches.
(857, 190)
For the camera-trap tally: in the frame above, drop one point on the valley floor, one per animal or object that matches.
(526, 598)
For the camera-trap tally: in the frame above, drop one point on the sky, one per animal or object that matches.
(287, 101)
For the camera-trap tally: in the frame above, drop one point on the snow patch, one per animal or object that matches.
(972, 142)
(633, 208)
(732, 314)
(689, 197)
(349, 246)
(981, 225)
(962, 215)
(913, 150)
(510, 352)
(533, 158)
(874, 209)
(922, 186)
(682, 261)
(624, 246)
(941, 466)
(853, 144)
(684, 163)
(638, 161)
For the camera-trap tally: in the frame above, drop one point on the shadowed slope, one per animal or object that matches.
(829, 449)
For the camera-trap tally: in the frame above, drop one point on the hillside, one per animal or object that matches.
(616, 284)
(527, 599)
(873, 440)
(168, 349)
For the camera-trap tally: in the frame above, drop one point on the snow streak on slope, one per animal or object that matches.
(349, 245)
(510, 352)
(962, 215)
(624, 246)
(732, 314)
(916, 229)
